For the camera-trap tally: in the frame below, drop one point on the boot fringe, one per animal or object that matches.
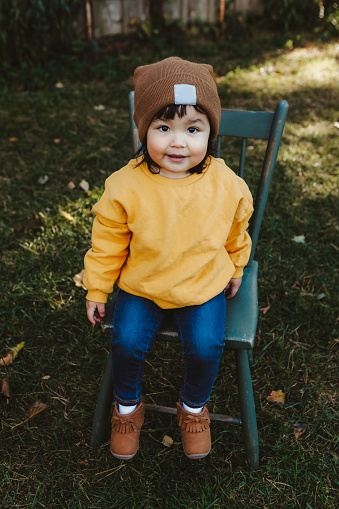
(194, 423)
(128, 423)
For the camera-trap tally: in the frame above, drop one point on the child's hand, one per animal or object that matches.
(95, 311)
(232, 287)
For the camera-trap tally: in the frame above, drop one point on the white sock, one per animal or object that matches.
(192, 410)
(124, 410)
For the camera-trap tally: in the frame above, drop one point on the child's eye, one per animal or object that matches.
(193, 130)
(163, 128)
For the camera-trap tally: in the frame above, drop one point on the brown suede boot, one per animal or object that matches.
(195, 432)
(126, 432)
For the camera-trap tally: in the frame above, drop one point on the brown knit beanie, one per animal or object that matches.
(174, 81)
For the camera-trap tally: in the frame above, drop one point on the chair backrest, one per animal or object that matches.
(260, 125)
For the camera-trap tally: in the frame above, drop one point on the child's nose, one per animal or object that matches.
(178, 140)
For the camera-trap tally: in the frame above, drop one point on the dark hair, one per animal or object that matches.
(168, 113)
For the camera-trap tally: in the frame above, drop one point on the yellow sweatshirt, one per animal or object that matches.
(177, 242)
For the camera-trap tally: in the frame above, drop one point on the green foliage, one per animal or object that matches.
(30, 30)
(294, 14)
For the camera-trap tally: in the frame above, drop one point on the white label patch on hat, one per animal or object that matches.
(185, 94)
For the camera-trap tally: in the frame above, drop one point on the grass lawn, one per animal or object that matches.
(56, 137)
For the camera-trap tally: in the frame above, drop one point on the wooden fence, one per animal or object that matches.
(108, 17)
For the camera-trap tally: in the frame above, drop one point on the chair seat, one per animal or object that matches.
(242, 312)
(241, 315)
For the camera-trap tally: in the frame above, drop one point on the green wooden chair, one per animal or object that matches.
(242, 310)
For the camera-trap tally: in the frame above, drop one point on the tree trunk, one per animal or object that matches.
(156, 11)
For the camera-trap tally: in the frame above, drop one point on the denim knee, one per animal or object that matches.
(135, 322)
(127, 341)
(205, 347)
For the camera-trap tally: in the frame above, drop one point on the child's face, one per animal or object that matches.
(179, 144)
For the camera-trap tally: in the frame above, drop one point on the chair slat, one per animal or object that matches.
(246, 124)
(218, 148)
(277, 128)
(134, 130)
(242, 158)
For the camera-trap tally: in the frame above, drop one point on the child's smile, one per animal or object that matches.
(177, 145)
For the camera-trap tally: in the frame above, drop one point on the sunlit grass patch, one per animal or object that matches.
(288, 72)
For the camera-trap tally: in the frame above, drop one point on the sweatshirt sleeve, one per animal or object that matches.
(110, 247)
(238, 244)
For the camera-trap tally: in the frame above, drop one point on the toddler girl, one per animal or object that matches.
(170, 231)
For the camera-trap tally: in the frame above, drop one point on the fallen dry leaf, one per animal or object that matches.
(167, 441)
(84, 185)
(276, 397)
(59, 85)
(84, 462)
(57, 140)
(17, 349)
(13, 139)
(265, 309)
(71, 185)
(36, 409)
(78, 279)
(5, 388)
(47, 377)
(6, 360)
(67, 216)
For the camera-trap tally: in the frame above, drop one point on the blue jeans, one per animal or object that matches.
(201, 330)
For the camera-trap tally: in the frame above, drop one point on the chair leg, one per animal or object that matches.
(250, 357)
(103, 407)
(247, 408)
